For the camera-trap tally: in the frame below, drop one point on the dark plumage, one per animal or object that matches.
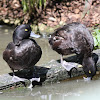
(23, 52)
(75, 38)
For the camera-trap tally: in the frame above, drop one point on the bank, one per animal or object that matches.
(56, 14)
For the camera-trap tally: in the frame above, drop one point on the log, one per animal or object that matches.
(50, 72)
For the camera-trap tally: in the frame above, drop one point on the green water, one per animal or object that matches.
(75, 89)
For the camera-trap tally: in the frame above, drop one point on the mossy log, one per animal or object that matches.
(50, 72)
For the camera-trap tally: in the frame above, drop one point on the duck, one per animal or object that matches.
(75, 38)
(23, 52)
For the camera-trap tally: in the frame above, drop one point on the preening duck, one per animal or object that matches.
(75, 38)
(23, 52)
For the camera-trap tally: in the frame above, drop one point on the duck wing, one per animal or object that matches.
(9, 52)
(82, 41)
(72, 38)
(26, 55)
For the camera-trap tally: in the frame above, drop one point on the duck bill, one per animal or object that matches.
(32, 34)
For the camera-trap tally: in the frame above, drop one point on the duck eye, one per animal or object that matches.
(89, 71)
(26, 30)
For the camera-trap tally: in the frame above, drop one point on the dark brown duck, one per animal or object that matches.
(75, 38)
(23, 52)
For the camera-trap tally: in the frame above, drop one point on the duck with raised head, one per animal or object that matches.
(23, 52)
(75, 38)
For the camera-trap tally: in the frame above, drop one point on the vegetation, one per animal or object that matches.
(49, 12)
(96, 36)
(34, 7)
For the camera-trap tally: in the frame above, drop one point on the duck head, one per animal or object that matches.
(89, 67)
(21, 32)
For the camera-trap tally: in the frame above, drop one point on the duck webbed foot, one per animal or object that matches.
(68, 65)
(87, 79)
(17, 79)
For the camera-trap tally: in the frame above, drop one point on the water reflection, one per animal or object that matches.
(77, 90)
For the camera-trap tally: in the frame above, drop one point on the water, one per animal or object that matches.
(75, 88)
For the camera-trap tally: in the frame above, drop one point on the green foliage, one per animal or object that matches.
(25, 6)
(96, 37)
(33, 6)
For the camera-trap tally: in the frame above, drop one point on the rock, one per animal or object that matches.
(61, 23)
(98, 2)
(41, 27)
(15, 4)
(17, 21)
(65, 8)
(70, 8)
(77, 16)
(68, 3)
(63, 19)
(76, 11)
(50, 23)
(6, 20)
(52, 19)
(11, 22)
